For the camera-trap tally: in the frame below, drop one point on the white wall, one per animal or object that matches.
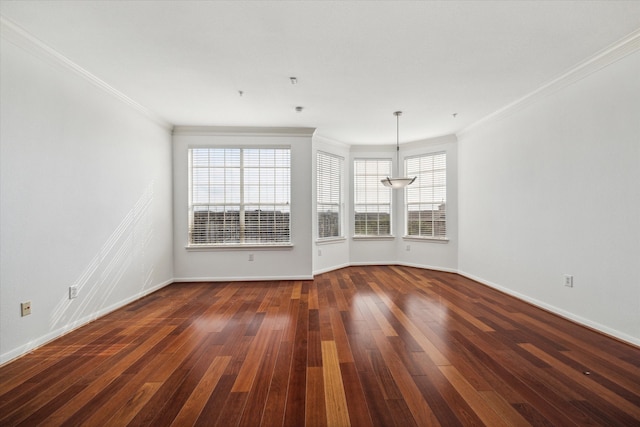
(85, 181)
(424, 253)
(333, 253)
(553, 188)
(363, 251)
(234, 264)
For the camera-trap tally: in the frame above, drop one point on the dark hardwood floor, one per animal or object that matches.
(385, 346)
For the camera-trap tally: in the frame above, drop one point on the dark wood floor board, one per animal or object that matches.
(437, 382)
(232, 410)
(42, 414)
(345, 355)
(611, 372)
(420, 409)
(278, 388)
(630, 391)
(521, 380)
(19, 401)
(192, 408)
(326, 300)
(557, 389)
(578, 377)
(141, 377)
(472, 397)
(296, 388)
(338, 294)
(359, 413)
(195, 366)
(101, 376)
(379, 411)
(316, 409)
(426, 345)
(211, 411)
(361, 346)
(570, 340)
(261, 345)
(445, 412)
(259, 389)
(24, 369)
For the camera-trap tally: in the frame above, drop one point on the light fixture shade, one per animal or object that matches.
(397, 182)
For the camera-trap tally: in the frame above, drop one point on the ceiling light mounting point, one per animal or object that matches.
(299, 109)
(293, 80)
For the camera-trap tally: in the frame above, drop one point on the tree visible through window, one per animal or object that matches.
(372, 200)
(426, 198)
(239, 196)
(329, 195)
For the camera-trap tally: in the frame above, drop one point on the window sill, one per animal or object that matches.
(330, 240)
(427, 239)
(236, 246)
(373, 237)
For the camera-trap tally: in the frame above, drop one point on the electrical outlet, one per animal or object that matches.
(408, 248)
(250, 257)
(319, 252)
(568, 280)
(73, 292)
(26, 308)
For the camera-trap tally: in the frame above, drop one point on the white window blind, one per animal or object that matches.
(372, 200)
(329, 195)
(426, 198)
(239, 196)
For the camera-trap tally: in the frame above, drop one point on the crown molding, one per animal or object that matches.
(330, 141)
(243, 131)
(29, 43)
(429, 142)
(602, 59)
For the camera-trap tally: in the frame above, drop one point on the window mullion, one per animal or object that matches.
(242, 201)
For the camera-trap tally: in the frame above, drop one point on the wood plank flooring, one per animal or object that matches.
(360, 346)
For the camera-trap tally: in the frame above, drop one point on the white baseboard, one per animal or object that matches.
(332, 268)
(428, 267)
(57, 333)
(555, 310)
(240, 279)
(365, 264)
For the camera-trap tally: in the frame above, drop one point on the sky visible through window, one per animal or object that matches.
(216, 176)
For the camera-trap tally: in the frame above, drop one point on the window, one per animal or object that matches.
(372, 200)
(426, 198)
(329, 195)
(239, 196)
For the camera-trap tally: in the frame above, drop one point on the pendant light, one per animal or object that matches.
(395, 183)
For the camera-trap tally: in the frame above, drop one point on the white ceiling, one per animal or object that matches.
(356, 61)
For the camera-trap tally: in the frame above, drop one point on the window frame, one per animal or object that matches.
(332, 190)
(424, 182)
(379, 188)
(243, 199)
